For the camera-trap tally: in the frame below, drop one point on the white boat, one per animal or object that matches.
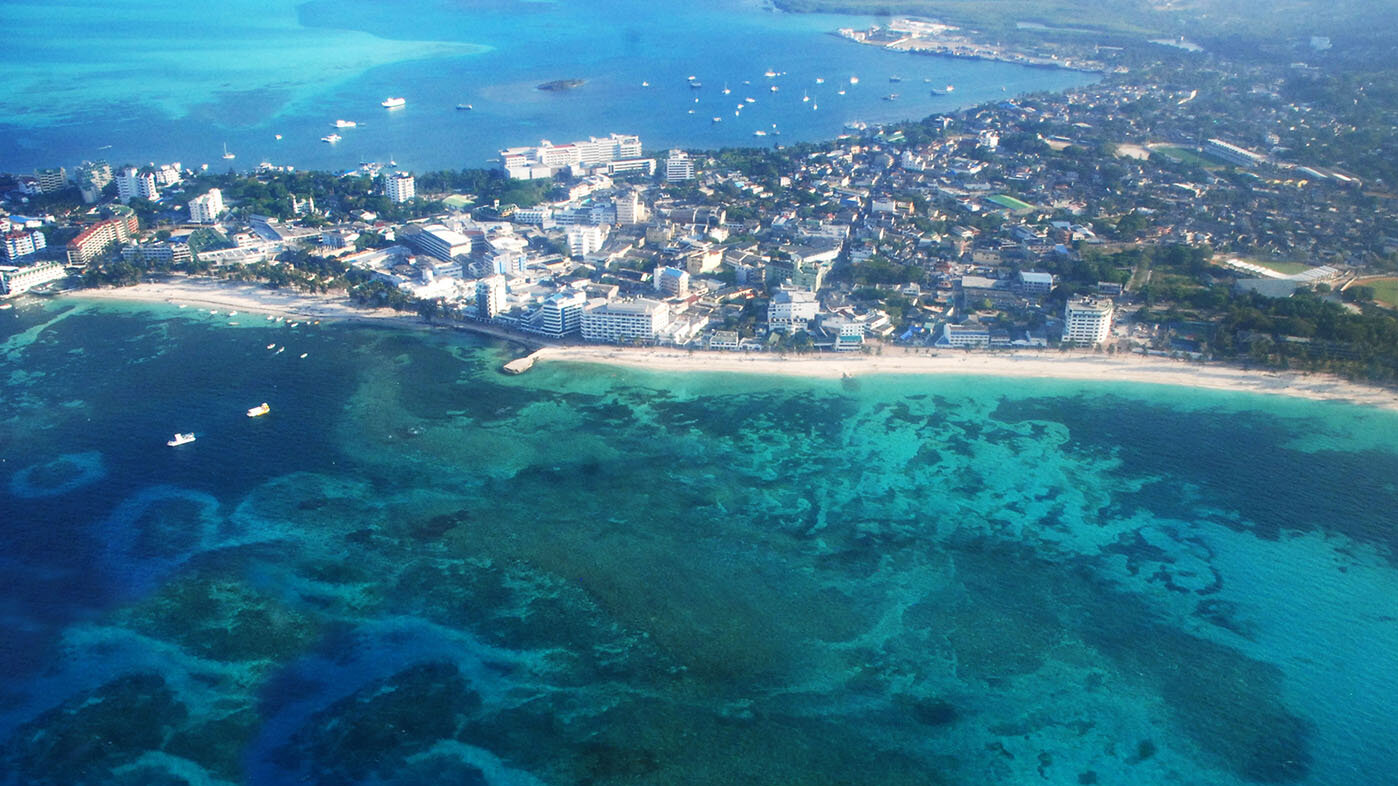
(770, 73)
(750, 100)
(773, 88)
(393, 103)
(345, 124)
(278, 136)
(304, 354)
(645, 84)
(180, 439)
(854, 80)
(805, 98)
(259, 410)
(726, 91)
(272, 345)
(839, 92)
(759, 133)
(332, 138)
(820, 80)
(718, 119)
(227, 156)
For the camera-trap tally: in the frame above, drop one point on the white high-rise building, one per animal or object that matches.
(1088, 320)
(679, 166)
(560, 314)
(207, 207)
(399, 187)
(583, 240)
(641, 319)
(19, 245)
(490, 297)
(629, 209)
(92, 177)
(132, 182)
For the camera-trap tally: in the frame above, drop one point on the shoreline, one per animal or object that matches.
(1020, 364)
(253, 298)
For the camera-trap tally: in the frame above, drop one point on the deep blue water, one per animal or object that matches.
(162, 80)
(417, 570)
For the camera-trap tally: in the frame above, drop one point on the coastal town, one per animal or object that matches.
(1144, 213)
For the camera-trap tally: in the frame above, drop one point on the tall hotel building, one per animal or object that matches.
(619, 321)
(399, 187)
(527, 163)
(99, 237)
(1088, 320)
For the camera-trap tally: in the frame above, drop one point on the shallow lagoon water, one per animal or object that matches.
(417, 570)
(132, 82)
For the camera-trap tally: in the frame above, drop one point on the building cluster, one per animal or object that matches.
(614, 154)
(964, 230)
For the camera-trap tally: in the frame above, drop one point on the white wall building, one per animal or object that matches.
(791, 310)
(490, 297)
(629, 209)
(962, 336)
(1088, 320)
(438, 241)
(679, 166)
(132, 182)
(206, 208)
(92, 177)
(14, 280)
(672, 281)
(399, 187)
(583, 240)
(21, 244)
(560, 314)
(618, 321)
(545, 160)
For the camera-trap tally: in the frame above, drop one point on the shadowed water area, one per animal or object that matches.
(417, 570)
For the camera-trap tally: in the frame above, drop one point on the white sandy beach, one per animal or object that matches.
(253, 298)
(1045, 364)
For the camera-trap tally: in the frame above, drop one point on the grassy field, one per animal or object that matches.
(1004, 200)
(1285, 268)
(1385, 290)
(1186, 155)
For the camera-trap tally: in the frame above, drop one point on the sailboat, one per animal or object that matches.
(227, 156)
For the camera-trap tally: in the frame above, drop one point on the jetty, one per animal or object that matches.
(521, 365)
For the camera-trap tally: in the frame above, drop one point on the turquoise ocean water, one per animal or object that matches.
(417, 570)
(161, 80)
